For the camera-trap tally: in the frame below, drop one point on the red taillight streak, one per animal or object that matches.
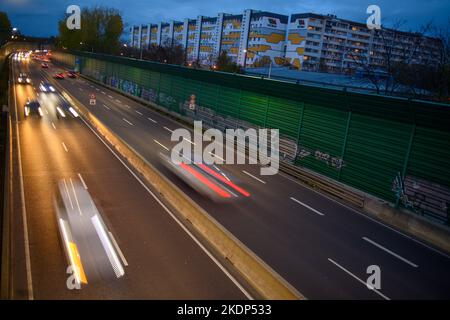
(204, 180)
(221, 178)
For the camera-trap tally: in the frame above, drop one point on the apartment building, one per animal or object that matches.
(307, 41)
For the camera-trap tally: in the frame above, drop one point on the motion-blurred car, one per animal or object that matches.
(71, 74)
(32, 107)
(89, 245)
(23, 78)
(210, 181)
(59, 75)
(46, 87)
(44, 65)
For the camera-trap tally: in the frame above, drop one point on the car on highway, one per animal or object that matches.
(71, 74)
(46, 87)
(87, 242)
(23, 78)
(209, 181)
(59, 75)
(32, 107)
(44, 65)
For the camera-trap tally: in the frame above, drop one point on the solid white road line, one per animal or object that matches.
(390, 252)
(168, 129)
(182, 226)
(161, 144)
(64, 146)
(82, 181)
(140, 113)
(306, 206)
(22, 198)
(105, 106)
(122, 257)
(154, 121)
(256, 178)
(363, 282)
(127, 122)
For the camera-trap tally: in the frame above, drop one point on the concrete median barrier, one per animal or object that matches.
(267, 283)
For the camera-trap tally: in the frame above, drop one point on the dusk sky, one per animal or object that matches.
(39, 17)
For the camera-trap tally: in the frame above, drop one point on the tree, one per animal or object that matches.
(5, 28)
(226, 64)
(394, 56)
(262, 62)
(101, 28)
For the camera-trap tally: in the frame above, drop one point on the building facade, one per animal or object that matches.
(306, 41)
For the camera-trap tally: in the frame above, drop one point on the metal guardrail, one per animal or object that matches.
(333, 188)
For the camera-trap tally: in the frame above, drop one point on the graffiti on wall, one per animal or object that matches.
(329, 160)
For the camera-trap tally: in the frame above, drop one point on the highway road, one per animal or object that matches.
(161, 258)
(320, 246)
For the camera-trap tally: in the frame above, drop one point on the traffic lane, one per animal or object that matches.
(164, 262)
(374, 248)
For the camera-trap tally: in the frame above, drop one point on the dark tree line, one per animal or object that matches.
(101, 28)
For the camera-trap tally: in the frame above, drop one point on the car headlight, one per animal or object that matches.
(28, 80)
(52, 89)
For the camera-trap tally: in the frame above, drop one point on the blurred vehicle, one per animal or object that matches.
(59, 75)
(208, 180)
(23, 78)
(44, 65)
(32, 107)
(71, 74)
(46, 87)
(89, 246)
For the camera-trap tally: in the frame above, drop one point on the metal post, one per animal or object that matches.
(270, 68)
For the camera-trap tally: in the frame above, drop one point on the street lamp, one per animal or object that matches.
(256, 52)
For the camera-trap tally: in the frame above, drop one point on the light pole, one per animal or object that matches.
(256, 52)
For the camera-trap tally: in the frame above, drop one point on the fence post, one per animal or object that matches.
(347, 127)
(300, 122)
(267, 111)
(239, 109)
(159, 88)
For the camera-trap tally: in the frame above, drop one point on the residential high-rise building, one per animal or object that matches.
(307, 41)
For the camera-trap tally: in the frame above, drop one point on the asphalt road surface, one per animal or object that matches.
(160, 258)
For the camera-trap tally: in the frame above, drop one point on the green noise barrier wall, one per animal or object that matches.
(393, 148)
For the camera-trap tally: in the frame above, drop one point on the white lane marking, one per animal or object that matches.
(118, 101)
(390, 252)
(37, 93)
(82, 181)
(168, 129)
(367, 217)
(308, 207)
(46, 111)
(218, 157)
(161, 144)
(140, 113)
(22, 198)
(80, 89)
(127, 106)
(75, 196)
(64, 146)
(154, 121)
(103, 92)
(97, 89)
(182, 226)
(110, 97)
(53, 125)
(122, 257)
(363, 282)
(256, 178)
(106, 107)
(127, 122)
